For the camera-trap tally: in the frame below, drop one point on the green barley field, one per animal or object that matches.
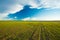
(29, 30)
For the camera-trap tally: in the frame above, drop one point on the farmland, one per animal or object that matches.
(29, 30)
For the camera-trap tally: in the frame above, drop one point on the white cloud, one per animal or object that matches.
(2, 16)
(8, 7)
(16, 5)
(25, 19)
(41, 3)
(11, 10)
(51, 3)
(28, 18)
(13, 6)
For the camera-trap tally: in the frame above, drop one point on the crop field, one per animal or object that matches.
(29, 30)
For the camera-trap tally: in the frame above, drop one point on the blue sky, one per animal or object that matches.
(30, 10)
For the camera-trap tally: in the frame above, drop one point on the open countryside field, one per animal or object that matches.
(29, 30)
